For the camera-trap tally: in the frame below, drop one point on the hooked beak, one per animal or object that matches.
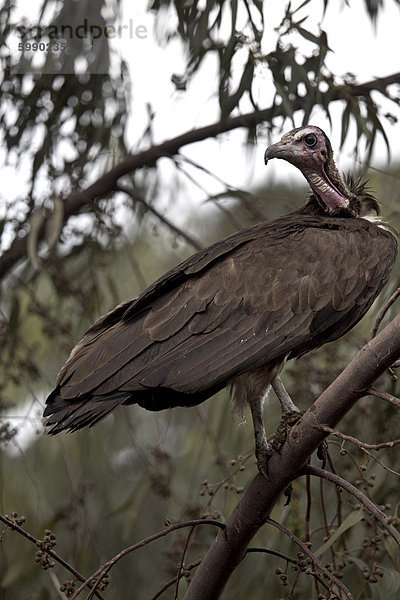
(278, 150)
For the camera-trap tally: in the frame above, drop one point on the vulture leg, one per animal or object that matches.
(264, 450)
(289, 409)
(290, 413)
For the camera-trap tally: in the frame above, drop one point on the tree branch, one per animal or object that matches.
(103, 570)
(274, 553)
(147, 158)
(381, 314)
(229, 547)
(384, 396)
(174, 579)
(312, 556)
(11, 524)
(358, 443)
(369, 505)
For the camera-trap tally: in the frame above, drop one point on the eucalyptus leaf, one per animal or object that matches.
(389, 584)
(352, 519)
(14, 317)
(307, 35)
(392, 549)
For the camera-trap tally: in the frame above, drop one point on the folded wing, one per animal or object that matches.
(275, 290)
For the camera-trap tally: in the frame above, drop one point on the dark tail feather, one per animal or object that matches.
(66, 415)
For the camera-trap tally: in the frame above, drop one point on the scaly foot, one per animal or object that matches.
(264, 451)
(289, 418)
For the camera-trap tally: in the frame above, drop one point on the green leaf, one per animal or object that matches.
(14, 314)
(352, 519)
(230, 102)
(301, 6)
(345, 123)
(391, 548)
(315, 39)
(360, 563)
(389, 585)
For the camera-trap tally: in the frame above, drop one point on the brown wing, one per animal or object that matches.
(277, 290)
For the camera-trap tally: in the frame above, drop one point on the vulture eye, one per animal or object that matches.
(310, 140)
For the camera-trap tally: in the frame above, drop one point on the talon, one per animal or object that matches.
(277, 443)
(280, 437)
(291, 417)
(288, 420)
(264, 452)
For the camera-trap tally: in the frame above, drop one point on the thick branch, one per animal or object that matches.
(108, 182)
(228, 549)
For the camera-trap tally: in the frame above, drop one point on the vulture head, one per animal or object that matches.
(309, 149)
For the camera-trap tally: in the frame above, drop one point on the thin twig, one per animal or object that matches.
(384, 396)
(383, 312)
(363, 447)
(361, 473)
(247, 198)
(212, 198)
(98, 581)
(361, 497)
(228, 214)
(180, 570)
(274, 553)
(173, 580)
(232, 475)
(248, 201)
(190, 240)
(338, 515)
(311, 555)
(357, 442)
(323, 508)
(296, 579)
(10, 523)
(286, 558)
(308, 510)
(110, 563)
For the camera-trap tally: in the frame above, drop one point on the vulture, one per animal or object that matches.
(235, 312)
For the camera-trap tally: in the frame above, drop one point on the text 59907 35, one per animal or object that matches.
(53, 46)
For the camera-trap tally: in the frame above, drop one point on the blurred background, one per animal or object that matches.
(84, 86)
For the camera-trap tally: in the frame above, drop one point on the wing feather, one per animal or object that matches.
(275, 290)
